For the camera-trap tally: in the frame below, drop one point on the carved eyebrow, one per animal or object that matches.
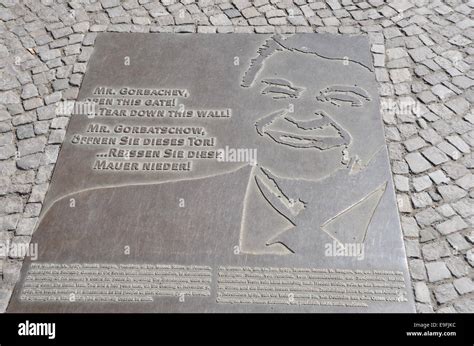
(282, 87)
(278, 81)
(284, 92)
(348, 89)
(344, 93)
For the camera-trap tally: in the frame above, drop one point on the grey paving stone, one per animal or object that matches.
(412, 248)
(417, 163)
(459, 105)
(32, 209)
(29, 91)
(466, 182)
(417, 269)
(435, 250)
(30, 162)
(11, 272)
(452, 225)
(434, 155)
(449, 150)
(464, 207)
(61, 32)
(46, 112)
(455, 170)
(424, 308)
(241, 4)
(446, 210)
(404, 204)
(395, 53)
(10, 205)
(232, 13)
(421, 183)
(399, 167)
(421, 200)
(470, 257)
(431, 136)
(38, 192)
(400, 75)
(410, 227)
(421, 53)
(463, 82)
(463, 285)
(437, 271)
(427, 97)
(427, 234)
(446, 310)
(407, 130)
(458, 242)
(457, 141)
(26, 226)
(422, 293)
(436, 78)
(25, 131)
(392, 133)
(457, 266)
(32, 103)
(8, 150)
(444, 293)
(5, 293)
(427, 217)
(460, 40)
(415, 143)
(464, 305)
(442, 92)
(451, 192)
(401, 183)
(56, 136)
(31, 146)
(301, 21)
(9, 222)
(109, 3)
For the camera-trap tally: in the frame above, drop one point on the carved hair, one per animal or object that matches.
(278, 43)
(268, 48)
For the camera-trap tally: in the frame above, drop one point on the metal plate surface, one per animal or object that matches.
(221, 173)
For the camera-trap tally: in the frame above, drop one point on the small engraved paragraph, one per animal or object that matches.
(46, 282)
(309, 286)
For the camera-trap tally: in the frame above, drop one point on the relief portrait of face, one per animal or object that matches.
(316, 109)
(316, 114)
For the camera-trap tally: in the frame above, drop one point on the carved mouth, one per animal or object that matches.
(320, 132)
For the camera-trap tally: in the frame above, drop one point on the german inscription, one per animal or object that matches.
(221, 173)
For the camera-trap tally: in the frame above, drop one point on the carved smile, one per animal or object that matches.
(320, 132)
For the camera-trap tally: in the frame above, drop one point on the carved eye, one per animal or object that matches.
(280, 89)
(342, 94)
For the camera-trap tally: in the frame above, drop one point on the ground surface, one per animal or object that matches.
(423, 53)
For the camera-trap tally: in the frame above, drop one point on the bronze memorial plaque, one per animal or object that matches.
(221, 173)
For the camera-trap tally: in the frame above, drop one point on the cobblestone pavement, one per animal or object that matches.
(422, 51)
